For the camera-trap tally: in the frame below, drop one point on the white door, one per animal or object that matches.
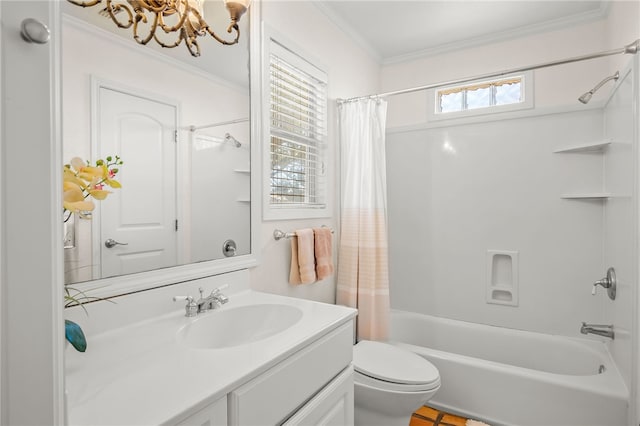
(140, 216)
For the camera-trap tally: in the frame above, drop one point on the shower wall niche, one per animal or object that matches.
(502, 277)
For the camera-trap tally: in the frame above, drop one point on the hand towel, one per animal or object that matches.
(304, 258)
(324, 258)
(294, 272)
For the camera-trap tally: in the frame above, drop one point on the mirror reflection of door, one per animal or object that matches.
(138, 222)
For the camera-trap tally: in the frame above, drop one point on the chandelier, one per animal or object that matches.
(181, 19)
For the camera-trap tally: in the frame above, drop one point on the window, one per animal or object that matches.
(505, 94)
(297, 135)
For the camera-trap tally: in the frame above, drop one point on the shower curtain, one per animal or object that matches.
(363, 267)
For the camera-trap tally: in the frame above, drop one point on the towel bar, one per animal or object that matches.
(278, 234)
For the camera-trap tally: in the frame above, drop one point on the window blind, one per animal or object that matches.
(298, 107)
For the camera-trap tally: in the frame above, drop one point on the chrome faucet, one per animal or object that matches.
(599, 329)
(212, 301)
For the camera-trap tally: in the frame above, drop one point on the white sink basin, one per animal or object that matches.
(238, 326)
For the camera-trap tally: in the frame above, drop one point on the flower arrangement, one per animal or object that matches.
(82, 180)
(81, 183)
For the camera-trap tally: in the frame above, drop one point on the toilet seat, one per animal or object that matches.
(382, 365)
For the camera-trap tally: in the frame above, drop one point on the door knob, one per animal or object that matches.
(110, 243)
(34, 31)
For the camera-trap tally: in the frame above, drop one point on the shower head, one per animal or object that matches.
(585, 98)
(234, 141)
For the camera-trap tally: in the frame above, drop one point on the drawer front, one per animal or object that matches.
(332, 406)
(214, 414)
(276, 394)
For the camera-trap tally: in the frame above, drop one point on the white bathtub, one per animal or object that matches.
(512, 377)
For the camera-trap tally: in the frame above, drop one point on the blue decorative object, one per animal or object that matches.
(75, 336)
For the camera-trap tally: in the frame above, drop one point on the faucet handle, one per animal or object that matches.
(609, 282)
(220, 298)
(191, 308)
(222, 287)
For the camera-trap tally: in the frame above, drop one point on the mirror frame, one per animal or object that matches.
(131, 283)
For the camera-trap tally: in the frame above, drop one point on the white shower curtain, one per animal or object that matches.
(363, 267)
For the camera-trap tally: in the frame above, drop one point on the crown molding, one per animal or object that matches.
(547, 26)
(346, 28)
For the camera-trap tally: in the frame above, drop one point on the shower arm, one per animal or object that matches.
(599, 85)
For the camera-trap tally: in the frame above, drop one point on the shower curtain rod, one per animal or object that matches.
(631, 48)
(222, 123)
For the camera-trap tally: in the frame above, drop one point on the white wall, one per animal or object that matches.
(351, 72)
(457, 192)
(486, 154)
(563, 245)
(623, 28)
(620, 216)
(32, 342)
(553, 86)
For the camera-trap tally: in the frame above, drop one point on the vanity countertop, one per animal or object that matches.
(142, 374)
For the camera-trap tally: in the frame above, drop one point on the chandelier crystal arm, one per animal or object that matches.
(181, 22)
(221, 40)
(152, 31)
(187, 14)
(114, 9)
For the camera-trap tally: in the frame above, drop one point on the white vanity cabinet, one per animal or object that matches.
(301, 375)
(214, 414)
(305, 386)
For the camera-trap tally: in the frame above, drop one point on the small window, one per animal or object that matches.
(480, 95)
(508, 93)
(297, 134)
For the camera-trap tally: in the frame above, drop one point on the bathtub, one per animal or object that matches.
(515, 378)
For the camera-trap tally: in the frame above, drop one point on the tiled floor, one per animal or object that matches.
(427, 416)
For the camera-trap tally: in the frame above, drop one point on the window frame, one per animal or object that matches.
(296, 57)
(527, 92)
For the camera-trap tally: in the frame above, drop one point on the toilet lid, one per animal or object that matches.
(386, 362)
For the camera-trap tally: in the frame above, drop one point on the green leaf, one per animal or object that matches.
(74, 335)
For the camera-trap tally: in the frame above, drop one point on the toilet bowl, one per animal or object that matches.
(390, 383)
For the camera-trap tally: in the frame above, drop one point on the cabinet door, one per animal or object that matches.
(212, 415)
(332, 406)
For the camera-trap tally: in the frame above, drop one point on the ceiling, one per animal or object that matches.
(399, 30)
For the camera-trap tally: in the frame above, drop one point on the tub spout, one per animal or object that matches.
(599, 329)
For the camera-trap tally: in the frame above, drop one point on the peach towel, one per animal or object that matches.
(302, 258)
(324, 258)
(294, 272)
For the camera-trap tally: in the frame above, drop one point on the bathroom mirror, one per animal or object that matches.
(181, 126)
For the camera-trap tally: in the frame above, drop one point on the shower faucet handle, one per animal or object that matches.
(609, 282)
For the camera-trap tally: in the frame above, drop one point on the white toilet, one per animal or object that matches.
(390, 383)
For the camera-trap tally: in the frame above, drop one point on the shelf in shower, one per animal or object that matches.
(588, 196)
(585, 147)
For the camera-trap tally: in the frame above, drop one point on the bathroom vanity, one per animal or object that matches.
(260, 359)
